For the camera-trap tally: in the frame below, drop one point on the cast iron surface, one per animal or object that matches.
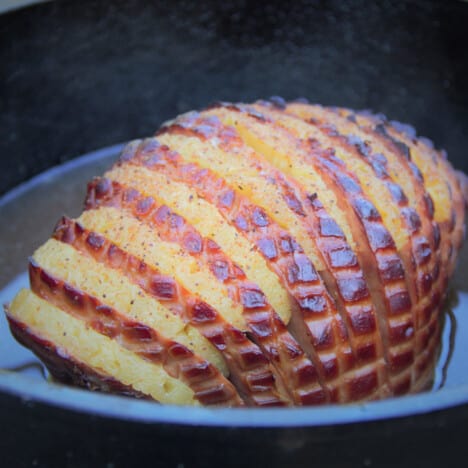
(49, 436)
(76, 76)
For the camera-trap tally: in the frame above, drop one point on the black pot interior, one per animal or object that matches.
(78, 76)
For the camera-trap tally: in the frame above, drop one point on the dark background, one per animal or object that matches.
(77, 76)
(41, 436)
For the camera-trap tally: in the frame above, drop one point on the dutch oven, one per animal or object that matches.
(80, 76)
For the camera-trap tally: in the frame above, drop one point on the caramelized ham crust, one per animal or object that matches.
(270, 254)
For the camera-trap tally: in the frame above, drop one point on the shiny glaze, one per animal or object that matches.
(379, 238)
(65, 368)
(249, 368)
(266, 328)
(207, 383)
(277, 246)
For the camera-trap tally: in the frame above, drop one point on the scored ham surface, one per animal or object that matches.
(270, 254)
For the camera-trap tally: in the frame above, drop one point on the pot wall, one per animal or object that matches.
(78, 76)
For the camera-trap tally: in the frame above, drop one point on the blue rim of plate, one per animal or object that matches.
(32, 391)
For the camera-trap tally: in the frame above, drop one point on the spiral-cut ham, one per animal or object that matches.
(270, 254)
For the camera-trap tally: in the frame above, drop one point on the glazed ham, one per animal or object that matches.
(272, 254)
